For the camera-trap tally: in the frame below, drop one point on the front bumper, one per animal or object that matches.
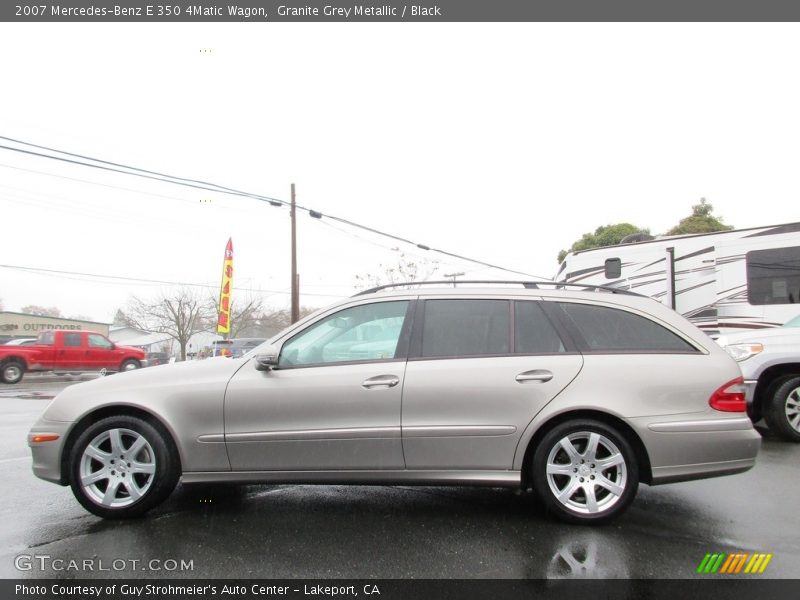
(750, 390)
(47, 454)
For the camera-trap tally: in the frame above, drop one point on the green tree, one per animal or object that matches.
(700, 221)
(605, 235)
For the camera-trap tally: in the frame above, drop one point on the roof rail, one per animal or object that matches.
(531, 285)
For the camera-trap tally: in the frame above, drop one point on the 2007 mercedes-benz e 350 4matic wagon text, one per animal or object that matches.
(579, 394)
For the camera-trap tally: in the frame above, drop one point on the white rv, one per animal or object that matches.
(723, 282)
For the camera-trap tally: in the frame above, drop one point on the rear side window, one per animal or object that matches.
(611, 330)
(72, 339)
(466, 328)
(533, 332)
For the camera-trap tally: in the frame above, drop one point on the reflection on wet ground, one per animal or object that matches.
(398, 531)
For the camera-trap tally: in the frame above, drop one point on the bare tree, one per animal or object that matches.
(179, 314)
(245, 313)
(406, 270)
(42, 311)
(274, 321)
(121, 319)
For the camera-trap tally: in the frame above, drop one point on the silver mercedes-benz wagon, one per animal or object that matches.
(578, 394)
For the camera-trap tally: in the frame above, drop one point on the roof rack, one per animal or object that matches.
(531, 285)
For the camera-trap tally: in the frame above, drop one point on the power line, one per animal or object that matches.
(198, 184)
(153, 281)
(97, 183)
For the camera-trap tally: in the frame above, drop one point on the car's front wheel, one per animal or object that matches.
(782, 412)
(129, 365)
(585, 472)
(121, 467)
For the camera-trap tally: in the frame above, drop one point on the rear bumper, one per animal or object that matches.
(676, 473)
(685, 449)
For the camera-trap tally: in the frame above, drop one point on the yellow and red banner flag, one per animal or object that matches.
(225, 291)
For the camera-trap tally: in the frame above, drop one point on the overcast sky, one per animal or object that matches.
(502, 142)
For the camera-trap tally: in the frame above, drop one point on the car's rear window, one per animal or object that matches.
(608, 329)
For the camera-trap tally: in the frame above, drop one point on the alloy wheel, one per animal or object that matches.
(586, 472)
(12, 372)
(793, 409)
(117, 468)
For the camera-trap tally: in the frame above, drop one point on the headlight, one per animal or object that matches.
(741, 352)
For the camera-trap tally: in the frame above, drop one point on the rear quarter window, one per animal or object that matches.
(606, 329)
(533, 333)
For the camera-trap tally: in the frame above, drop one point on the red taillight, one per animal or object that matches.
(730, 397)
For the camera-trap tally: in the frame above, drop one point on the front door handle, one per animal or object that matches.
(540, 375)
(386, 381)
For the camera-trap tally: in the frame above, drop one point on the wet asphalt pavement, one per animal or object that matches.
(386, 532)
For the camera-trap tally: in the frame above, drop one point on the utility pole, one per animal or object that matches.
(454, 275)
(295, 276)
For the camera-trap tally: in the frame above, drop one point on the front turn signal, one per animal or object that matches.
(36, 438)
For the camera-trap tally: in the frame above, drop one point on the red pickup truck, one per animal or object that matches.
(67, 351)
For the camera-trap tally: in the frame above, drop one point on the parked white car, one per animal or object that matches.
(770, 362)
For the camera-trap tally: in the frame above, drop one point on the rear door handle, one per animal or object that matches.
(540, 375)
(386, 381)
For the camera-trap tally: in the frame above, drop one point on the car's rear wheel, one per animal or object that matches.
(585, 472)
(12, 371)
(782, 412)
(121, 467)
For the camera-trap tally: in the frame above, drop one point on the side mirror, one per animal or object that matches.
(267, 359)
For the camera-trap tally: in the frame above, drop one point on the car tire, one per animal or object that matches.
(782, 410)
(129, 365)
(12, 372)
(121, 467)
(585, 472)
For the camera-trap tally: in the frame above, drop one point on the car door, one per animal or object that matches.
(100, 353)
(479, 370)
(72, 352)
(333, 401)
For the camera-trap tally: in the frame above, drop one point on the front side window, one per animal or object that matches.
(608, 329)
(367, 332)
(454, 328)
(46, 338)
(72, 339)
(773, 276)
(98, 341)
